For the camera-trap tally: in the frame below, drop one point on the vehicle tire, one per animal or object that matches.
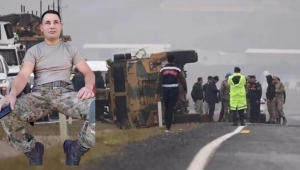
(185, 56)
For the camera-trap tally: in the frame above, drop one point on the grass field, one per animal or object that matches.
(108, 139)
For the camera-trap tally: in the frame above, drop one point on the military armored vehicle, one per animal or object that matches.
(131, 84)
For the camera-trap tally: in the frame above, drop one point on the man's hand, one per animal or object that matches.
(85, 93)
(157, 97)
(9, 99)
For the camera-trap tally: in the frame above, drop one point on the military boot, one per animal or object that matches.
(73, 151)
(284, 121)
(278, 120)
(35, 156)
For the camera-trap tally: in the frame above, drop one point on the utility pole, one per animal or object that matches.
(41, 8)
(59, 5)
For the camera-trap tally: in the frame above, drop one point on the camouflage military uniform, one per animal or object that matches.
(224, 95)
(39, 103)
(279, 101)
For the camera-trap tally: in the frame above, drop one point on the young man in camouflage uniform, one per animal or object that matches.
(279, 101)
(224, 95)
(51, 62)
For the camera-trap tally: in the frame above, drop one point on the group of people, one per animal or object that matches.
(240, 96)
(232, 95)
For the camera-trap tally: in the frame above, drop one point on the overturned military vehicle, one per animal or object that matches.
(131, 84)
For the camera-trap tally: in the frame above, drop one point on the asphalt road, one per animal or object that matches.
(255, 146)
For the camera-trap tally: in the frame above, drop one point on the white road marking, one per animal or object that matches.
(273, 51)
(202, 157)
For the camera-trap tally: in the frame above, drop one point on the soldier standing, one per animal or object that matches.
(197, 96)
(167, 84)
(238, 101)
(270, 95)
(279, 100)
(51, 61)
(224, 95)
(254, 96)
(205, 104)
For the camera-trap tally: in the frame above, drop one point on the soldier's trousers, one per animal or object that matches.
(170, 100)
(279, 109)
(254, 111)
(225, 110)
(41, 102)
(271, 109)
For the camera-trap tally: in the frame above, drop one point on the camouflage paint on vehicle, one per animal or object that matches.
(131, 83)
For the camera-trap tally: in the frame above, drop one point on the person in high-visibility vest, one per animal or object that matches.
(238, 100)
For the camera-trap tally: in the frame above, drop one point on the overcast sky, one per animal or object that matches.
(217, 28)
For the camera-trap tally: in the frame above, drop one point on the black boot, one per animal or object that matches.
(74, 151)
(35, 156)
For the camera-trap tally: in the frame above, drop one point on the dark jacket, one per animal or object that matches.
(270, 94)
(168, 78)
(204, 91)
(254, 92)
(211, 92)
(197, 92)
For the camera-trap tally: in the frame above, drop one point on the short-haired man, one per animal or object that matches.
(51, 62)
(168, 81)
(197, 96)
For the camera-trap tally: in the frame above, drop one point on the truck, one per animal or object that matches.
(12, 52)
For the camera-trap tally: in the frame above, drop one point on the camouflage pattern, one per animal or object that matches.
(132, 85)
(102, 94)
(279, 99)
(41, 102)
(224, 95)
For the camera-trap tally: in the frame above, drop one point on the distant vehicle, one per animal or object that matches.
(12, 52)
(5, 81)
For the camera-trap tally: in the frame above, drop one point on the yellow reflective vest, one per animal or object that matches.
(238, 100)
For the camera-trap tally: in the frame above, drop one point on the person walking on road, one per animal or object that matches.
(167, 84)
(238, 101)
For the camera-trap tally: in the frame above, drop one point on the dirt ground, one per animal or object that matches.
(49, 135)
(106, 134)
